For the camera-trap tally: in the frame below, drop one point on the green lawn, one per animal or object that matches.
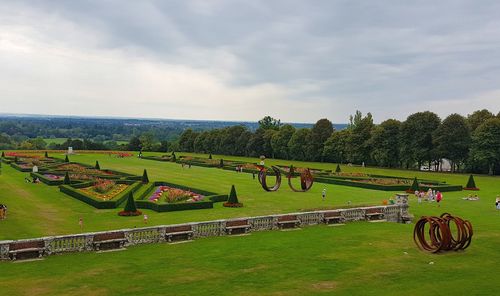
(359, 258)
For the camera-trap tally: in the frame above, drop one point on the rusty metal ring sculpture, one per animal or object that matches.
(263, 177)
(306, 180)
(440, 236)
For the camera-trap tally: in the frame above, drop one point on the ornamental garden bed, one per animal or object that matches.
(389, 184)
(25, 162)
(102, 193)
(158, 158)
(166, 197)
(54, 175)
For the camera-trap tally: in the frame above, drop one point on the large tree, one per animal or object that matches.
(385, 142)
(335, 149)
(320, 132)
(358, 143)
(255, 145)
(452, 140)
(298, 144)
(269, 123)
(486, 145)
(229, 141)
(477, 118)
(416, 138)
(279, 141)
(186, 140)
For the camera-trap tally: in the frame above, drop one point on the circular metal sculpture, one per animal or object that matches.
(263, 176)
(306, 180)
(440, 236)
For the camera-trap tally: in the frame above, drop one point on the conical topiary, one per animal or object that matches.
(66, 180)
(338, 170)
(97, 166)
(232, 201)
(291, 171)
(233, 197)
(174, 158)
(66, 159)
(210, 156)
(471, 184)
(221, 163)
(130, 205)
(3, 154)
(46, 154)
(15, 159)
(414, 186)
(145, 178)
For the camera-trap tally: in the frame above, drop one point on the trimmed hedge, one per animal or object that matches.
(19, 168)
(157, 158)
(100, 204)
(442, 188)
(166, 207)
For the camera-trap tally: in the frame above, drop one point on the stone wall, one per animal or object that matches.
(157, 234)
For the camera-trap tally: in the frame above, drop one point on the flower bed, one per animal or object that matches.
(173, 195)
(109, 200)
(166, 197)
(389, 181)
(81, 169)
(104, 189)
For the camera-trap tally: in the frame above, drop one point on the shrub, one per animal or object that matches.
(338, 170)
(46, 154)
(174, 158)
(145, 178)
(3, 154)
(414, 186)
(66, 180)
(210, 156)
(97, 166)
(66, 159)
(232, 201)
(471, 184)
(130, 207)
(221, 163)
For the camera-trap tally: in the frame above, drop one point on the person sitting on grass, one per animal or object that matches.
(497, 202)
(3, 211)
(27, 180)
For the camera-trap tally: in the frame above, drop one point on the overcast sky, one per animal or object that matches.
(241, 60)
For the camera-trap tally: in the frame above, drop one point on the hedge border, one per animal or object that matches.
(72, 191)
(442, 188)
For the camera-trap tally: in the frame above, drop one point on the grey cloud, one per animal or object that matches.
(380, 56)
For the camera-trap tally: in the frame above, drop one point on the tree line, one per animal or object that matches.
(470, 144)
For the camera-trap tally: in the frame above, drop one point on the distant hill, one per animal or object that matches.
(118, 129)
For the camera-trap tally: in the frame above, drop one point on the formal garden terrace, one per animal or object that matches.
(347, 259)
(335, 176)
(38, 209)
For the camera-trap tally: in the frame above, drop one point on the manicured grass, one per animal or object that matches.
(358, 258)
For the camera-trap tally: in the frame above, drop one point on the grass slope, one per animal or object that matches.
(359, 258)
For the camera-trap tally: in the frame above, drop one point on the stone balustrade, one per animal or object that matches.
(156, 234)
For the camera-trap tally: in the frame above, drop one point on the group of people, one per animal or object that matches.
(470, 197)
(34, 180)
(239, 169)
(3, 211)
(429, 195)
(184, 165)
